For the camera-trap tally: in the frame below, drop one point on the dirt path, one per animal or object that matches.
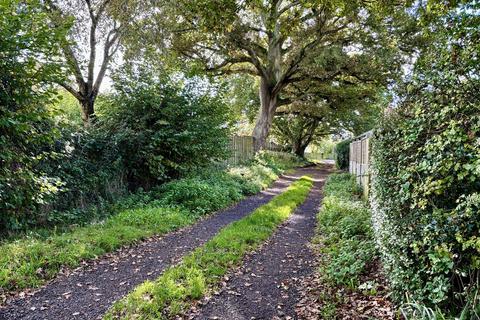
(88, 291)
(265, 287)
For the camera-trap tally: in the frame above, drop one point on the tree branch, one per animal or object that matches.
(73, 63)
(288, 7)
(74, 92)
(229, 61)
(112, 39)
(93, 46)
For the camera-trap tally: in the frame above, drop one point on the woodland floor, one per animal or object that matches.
(88, 291)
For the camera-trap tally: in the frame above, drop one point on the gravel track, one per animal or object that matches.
(267, 285)
(88, 291)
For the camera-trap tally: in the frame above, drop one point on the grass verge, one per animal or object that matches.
(201, 270)
(29, 261)
(347, 248)
(345, 231)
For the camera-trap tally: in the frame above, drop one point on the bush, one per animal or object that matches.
(162, 130)
(426, 163)
(278, 161)
(253, 177)
(26, 128)
(201, 196)
(91, 172)
(343, 186)
(342, 154)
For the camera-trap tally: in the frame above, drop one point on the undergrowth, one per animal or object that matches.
(345, 236)
(201, 270)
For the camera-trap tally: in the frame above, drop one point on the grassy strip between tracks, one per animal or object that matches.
(201, 270)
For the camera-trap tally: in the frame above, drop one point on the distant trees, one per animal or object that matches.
(354, 109)
(297, 131)
(298, 45)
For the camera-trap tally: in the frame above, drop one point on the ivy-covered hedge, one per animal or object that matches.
(426, 190)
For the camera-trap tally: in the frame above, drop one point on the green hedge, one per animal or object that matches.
(425, 194)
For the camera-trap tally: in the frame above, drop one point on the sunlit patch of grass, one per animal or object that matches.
(29, 262)
(201, 270)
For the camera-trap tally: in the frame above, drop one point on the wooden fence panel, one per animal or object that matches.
(242, 149)
(359, 163)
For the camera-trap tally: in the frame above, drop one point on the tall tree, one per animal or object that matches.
(95, 28)
(279, 41)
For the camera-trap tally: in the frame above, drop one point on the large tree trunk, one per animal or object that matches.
(268, 105)
(88, 111)
(269, 96)
(299, 149)
(305, 138)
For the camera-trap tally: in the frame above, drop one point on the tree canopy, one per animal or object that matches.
(292, 46)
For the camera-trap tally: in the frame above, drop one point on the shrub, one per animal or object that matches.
(161, 129)
(278, 161)
(90, 170)
(426, 162)
(342, 154)
(201, 196)
(26, 128)
(253, 177)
